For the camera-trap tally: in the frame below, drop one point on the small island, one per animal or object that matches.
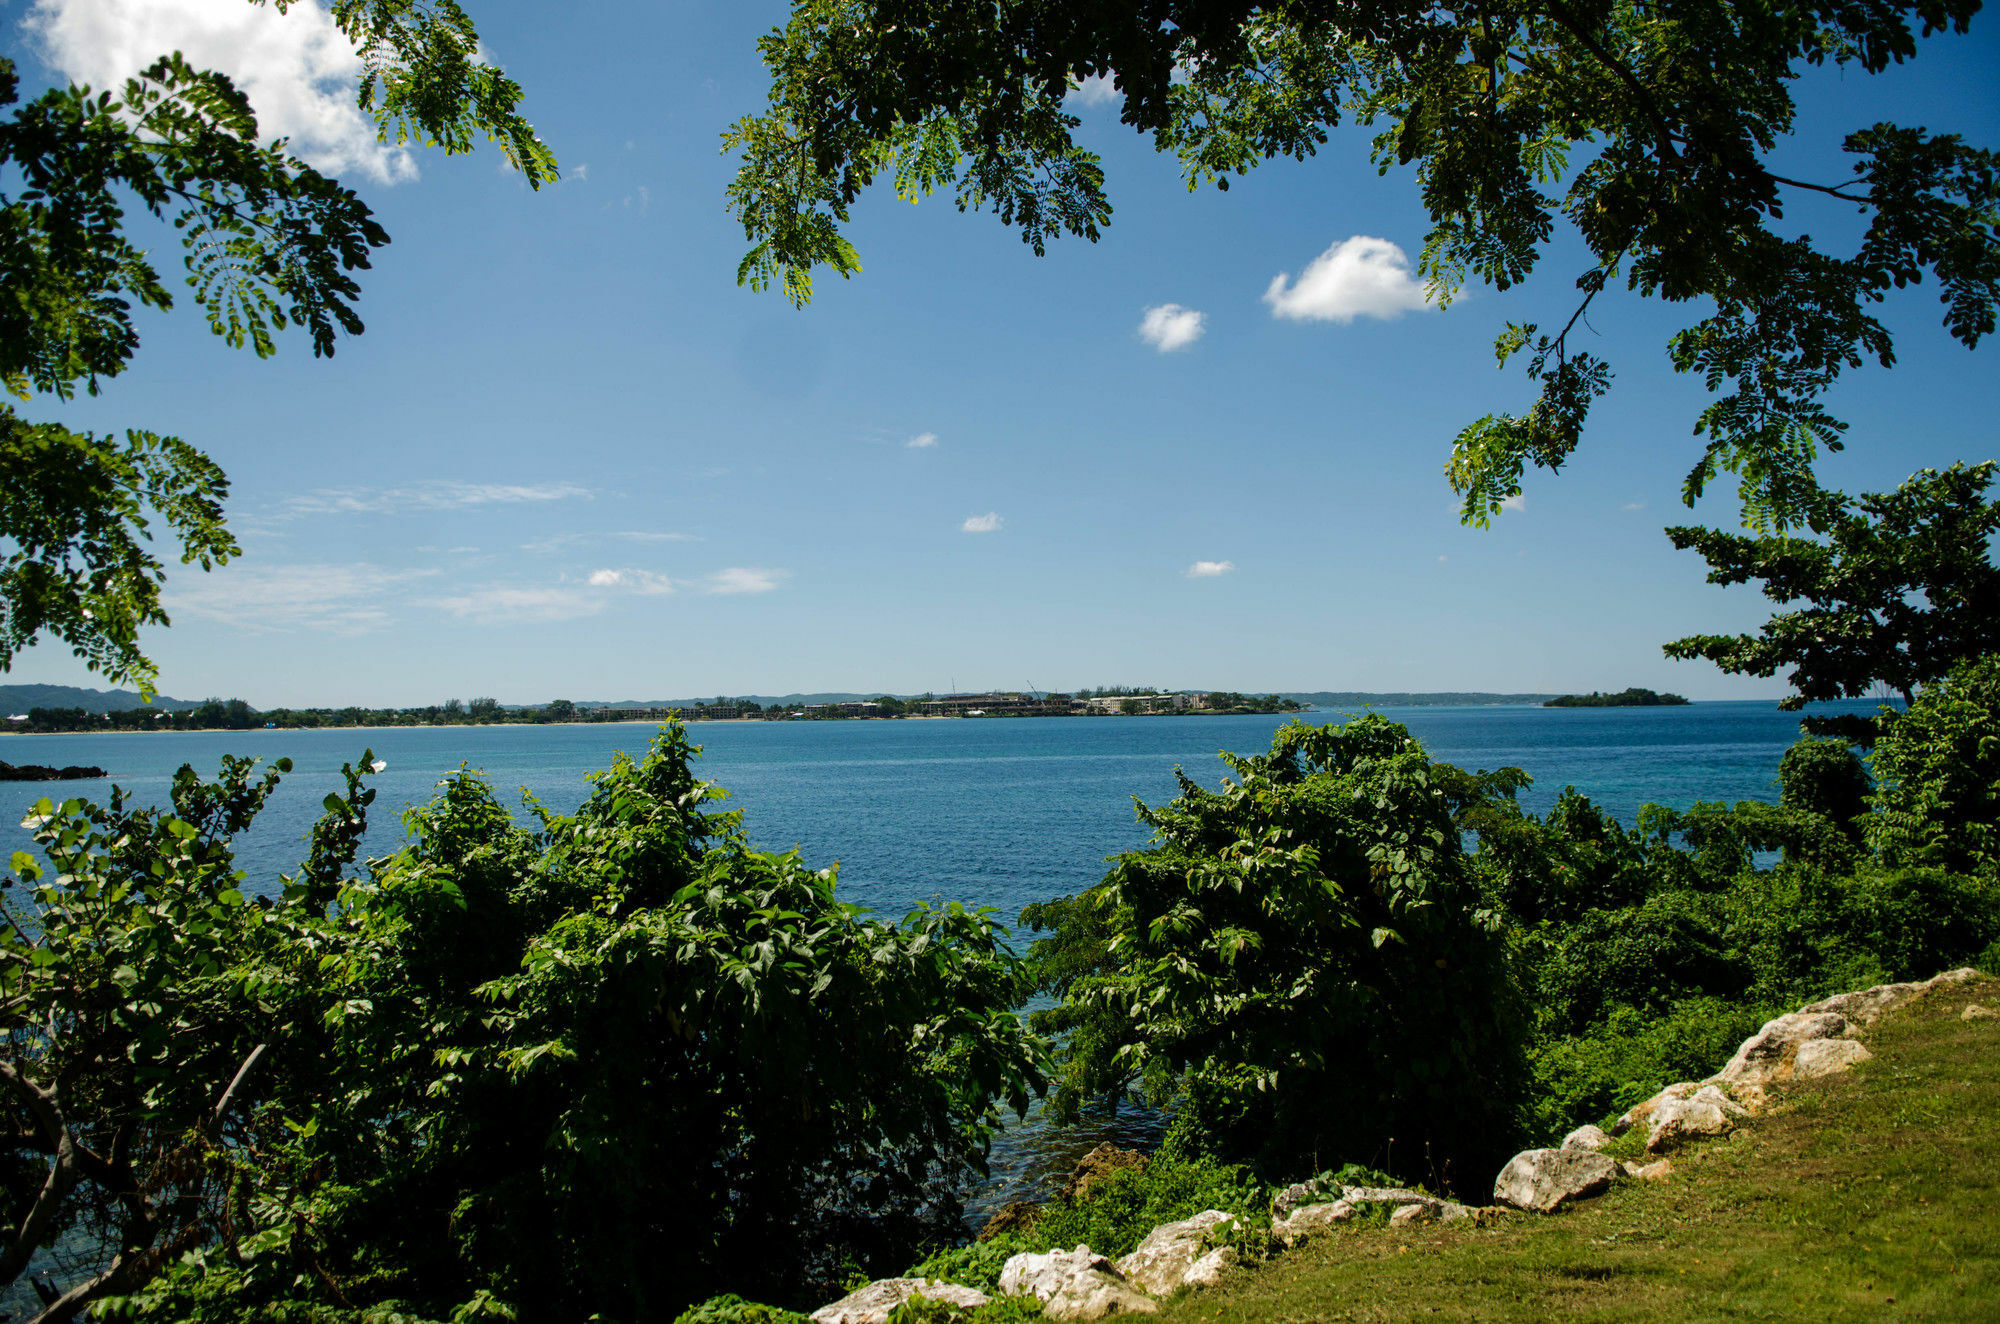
(36, 772)
(1632, 698)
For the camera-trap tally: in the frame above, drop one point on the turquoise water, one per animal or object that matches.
(997, 813)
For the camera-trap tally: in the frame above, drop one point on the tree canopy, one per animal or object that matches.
(1901, 589)
(598, 1069)
(1651, 132)
(269, 242)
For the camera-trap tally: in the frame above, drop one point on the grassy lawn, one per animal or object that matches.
(1874, 1195)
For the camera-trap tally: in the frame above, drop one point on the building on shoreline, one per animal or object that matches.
(997, 705)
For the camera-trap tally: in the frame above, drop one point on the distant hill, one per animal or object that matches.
(1439, 699)
(20, 698)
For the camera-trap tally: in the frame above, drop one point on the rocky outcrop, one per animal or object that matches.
(1827, 1057)
(1974, 1012)
(1309, 1219)
(1097, 1295)
(1042, 1276)
(1183, 1254)
(874, 1303)
(1585, 1137)
(1641, 1114)
(1095, 1166)
(1658, 1171)
(1767, 1056)
(1868, 1005)
(1702, 1115)
(1543, 1180)
(1014, 1216)
(1075, 1284)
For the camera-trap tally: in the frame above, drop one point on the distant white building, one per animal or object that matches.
(1147, 703)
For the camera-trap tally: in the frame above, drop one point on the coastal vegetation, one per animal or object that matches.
(1633, 697)
(604, 1067)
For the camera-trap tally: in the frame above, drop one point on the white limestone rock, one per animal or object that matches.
(1303, 1222)
(1543, 1180)
(1182, 1254)
(1827, 1057)
(1974, 1012)
(1706, 1113)
(1096, 1294)
(1867, 1005)
(874, 1303)
(1042, 1276)
(1768, 1056)
(1641, 1114)
(1585, 1137)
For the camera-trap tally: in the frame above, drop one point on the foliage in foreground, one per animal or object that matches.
(1307, 964)
(1658, 142)
(607, 1067)
(1303, 961)
(268, 241)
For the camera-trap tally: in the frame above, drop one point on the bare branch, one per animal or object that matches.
(61, 1180)
(222, 1105)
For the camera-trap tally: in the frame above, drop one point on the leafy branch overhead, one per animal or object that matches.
(268, 242)
(1901, 590)
(1651, 139)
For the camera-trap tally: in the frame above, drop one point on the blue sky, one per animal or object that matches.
(570, 457)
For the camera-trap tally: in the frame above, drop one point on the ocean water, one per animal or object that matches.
(997, 812)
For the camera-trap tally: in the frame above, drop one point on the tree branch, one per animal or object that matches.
(1833, 191)
(55, 1189)
(1663, 132)
(228, 1095)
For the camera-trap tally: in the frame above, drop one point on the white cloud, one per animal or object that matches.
(425, 496)
(1518, 502)
(1443, 559)
(1169, 327)
(337, 599)
(638, 581)
(990, 522)
(923, 441)
(581, 174)
(297, 68)
(503, 604)
(1209, 569)
(1097, 90)
(1634, 505)
(1357, 277)
(744, 579)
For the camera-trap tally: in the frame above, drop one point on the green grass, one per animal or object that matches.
(1874, 1195)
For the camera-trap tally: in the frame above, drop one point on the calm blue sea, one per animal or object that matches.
(995, 812)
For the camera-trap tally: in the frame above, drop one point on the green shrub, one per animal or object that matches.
(733, 1309)
(1123, 1207)
(1306, 957)
(1939, 769)
(1632, 1055)
(605, 1068)
(976, 1265)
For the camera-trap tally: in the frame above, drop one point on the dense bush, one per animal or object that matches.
(1301, 960)
(607, 1067)
(1939, 768)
